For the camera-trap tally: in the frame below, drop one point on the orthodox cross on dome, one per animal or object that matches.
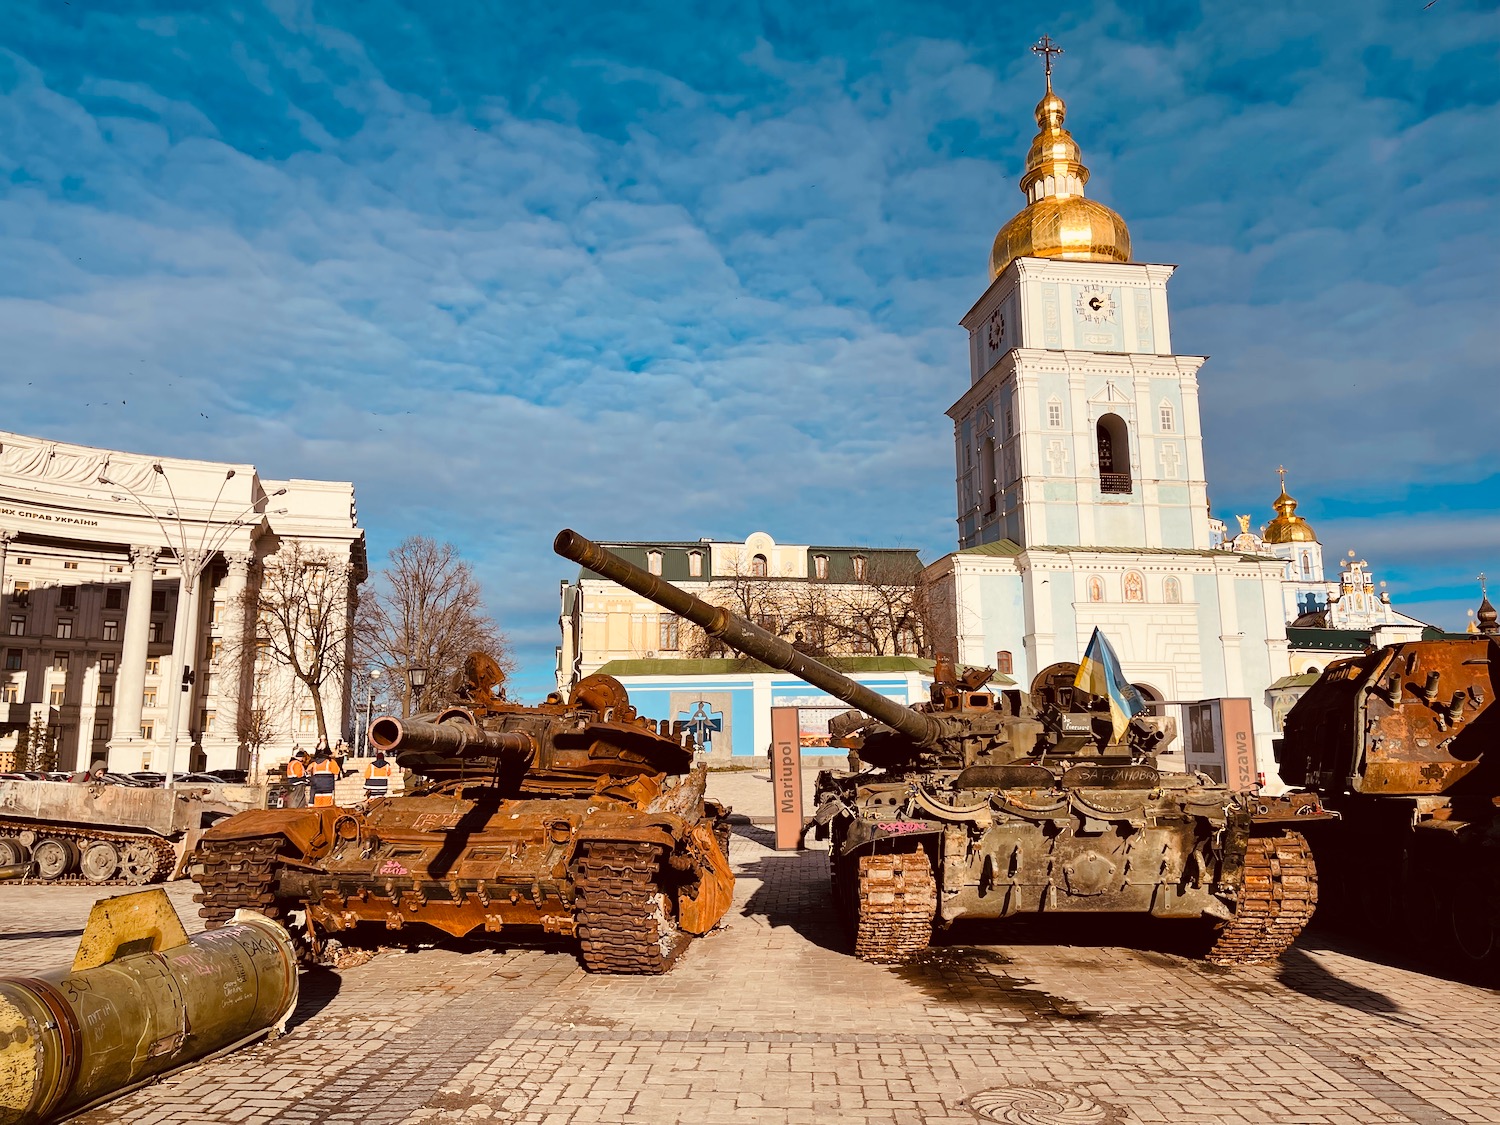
(1484, 588)
(1282, 470)
(1046, 48)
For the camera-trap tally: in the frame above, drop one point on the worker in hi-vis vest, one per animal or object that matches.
(325, 773)
(378, 776)
(296, 776)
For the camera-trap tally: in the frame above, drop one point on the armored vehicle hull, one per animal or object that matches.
(1404, 742)
(574, 818)
(988, 805)
(108, 834)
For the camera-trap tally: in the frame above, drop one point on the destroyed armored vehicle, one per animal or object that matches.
(104, 833)
(981, 804)
(572, 817)
(1404, 742)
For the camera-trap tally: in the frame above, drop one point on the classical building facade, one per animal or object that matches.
(1081, 493)
(128, 585)
(835, 601)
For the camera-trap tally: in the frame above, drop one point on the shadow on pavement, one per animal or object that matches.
(765, 837)
(1301, 973)
(794, 892)
(35, 935)
(315, 991)
(1187, 938)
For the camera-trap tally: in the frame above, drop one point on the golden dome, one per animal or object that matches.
(1058, 221)
(1288, 526)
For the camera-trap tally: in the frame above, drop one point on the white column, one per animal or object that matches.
(185, 645)
(236, 659)
(131, 680)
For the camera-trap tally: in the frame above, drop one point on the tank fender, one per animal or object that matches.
(661, 828)
(310, 831)
(700, 907)
(864, 835)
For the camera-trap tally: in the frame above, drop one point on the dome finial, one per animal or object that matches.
(1288, 526)
(1046, 48)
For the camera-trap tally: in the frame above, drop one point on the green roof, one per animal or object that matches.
(1009, 549)
(1329, 640)
(1304, 679)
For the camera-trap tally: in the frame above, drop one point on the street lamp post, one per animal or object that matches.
(364, 731)
(191, 563)
(416, 679)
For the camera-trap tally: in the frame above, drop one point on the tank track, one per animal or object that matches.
(896, 902)
(163, 851)
(236, 874)
(1277, 899)
(624, 918)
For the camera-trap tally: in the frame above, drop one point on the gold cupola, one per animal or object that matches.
(1057, 221)
(1288, 526)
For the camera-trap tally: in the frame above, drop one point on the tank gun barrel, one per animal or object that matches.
(454, 737)
(744, 637)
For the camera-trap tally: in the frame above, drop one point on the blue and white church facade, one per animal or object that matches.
(1082, 500)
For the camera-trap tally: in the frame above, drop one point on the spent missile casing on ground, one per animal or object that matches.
(141, 999)
(749, 639)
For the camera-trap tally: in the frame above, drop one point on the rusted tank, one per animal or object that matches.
(573, 817)
(1405, 743)
(101, 833)
(984, 804)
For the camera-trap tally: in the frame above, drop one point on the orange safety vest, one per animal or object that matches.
(325, 773)
(377, 779)
(295, 770)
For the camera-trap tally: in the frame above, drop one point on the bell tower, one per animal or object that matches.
(1080, 426)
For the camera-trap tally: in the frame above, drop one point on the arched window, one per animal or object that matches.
(1096, 588)
(991, 469)
(859, 568)
(695, 564)
(1003, 663)
(1306, 565)
(759, 567)
(1135, 587)
(820, 566)
(1114, 454)
(1171, 591)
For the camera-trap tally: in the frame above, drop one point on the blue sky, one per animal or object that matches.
(671, 270)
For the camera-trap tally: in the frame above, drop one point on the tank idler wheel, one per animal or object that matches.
(11, 852)
(99, 862)
(896, 903)
(1475, 934)
(138, 864)
(53, 858)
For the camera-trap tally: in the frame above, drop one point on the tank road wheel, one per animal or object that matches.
(11, 852)
(625, 920)
(99, 861)
(896, 902)
(1277, 899)
(53, 858)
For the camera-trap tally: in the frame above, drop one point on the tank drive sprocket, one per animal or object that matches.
(624, 918)
(1276, 901)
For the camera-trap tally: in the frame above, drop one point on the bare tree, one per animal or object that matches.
(764, 601)
(425, 609)
(264, 722)
(301, 615)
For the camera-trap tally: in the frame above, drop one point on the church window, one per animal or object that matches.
(1306, 565)
(1171, 591)
(1010, 422)
(653, 561)
(820, 566)
(859, 568)
(1054, 414)
(669, 630)
(1096, 588)
(695, 564)
(759, 567)
(1003, 663)
(1135, 587)
(1167, 419)
(1114, 454)
(991, 468)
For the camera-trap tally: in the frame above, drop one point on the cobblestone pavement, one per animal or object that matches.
(768, 1021)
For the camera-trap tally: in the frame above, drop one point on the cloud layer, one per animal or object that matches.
(659, 278)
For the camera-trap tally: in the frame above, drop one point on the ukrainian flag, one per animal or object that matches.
(1099, 674)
